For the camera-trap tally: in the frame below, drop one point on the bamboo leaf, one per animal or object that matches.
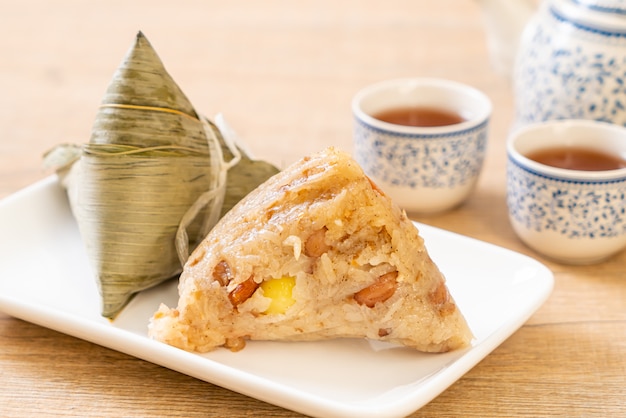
(152, 180)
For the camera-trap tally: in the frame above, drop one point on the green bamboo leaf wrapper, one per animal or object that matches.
(150, 183)
(244, 177)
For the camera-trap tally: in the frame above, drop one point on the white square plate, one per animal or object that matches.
(45, 278)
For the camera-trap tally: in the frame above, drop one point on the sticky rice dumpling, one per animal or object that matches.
(150, 183)
(316, 252)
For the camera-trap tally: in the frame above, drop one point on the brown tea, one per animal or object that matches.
(419, 116)
(577, 158)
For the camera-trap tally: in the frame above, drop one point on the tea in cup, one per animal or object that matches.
(566, 189)
(421, 140)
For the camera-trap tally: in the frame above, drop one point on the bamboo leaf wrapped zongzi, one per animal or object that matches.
(150, 183)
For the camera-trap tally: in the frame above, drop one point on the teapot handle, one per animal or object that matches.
(504, 23)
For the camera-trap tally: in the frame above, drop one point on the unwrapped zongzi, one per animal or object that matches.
(316, 252)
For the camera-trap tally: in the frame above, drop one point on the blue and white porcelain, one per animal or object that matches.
(423, 169)
(571, 63)
(576, 217)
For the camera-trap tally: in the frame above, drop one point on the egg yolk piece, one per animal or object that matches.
(280, 292)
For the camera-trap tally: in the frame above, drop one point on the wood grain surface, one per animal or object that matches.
(283, 73)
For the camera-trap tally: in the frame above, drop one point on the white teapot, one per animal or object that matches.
(570, 61)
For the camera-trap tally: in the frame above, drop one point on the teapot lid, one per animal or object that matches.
(605, 16)
(605, 6)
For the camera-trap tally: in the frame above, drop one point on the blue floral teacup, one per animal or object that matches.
(421, 140)
(566, 211)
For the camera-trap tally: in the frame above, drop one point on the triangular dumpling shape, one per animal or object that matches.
(147, 161)
(152, 180)
(316, 252)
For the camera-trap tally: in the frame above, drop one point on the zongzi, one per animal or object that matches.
(150, 183)
(316, 252)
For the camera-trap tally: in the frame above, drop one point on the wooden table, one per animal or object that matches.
(284, 73)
